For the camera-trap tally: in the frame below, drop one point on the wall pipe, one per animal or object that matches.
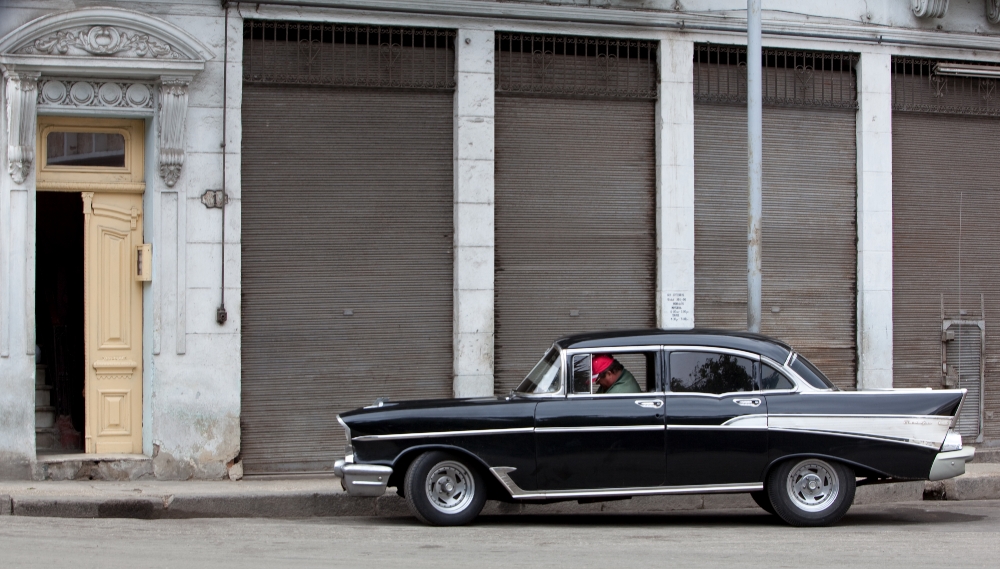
(754, 149)
(220, 314)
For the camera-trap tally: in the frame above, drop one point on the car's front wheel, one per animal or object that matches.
(443, 489)
(811, 492)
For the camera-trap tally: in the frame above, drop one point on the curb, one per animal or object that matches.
(336, 504)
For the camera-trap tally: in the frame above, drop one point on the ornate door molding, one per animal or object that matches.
(53, 63)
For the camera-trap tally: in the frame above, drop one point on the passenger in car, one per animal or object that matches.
(611, 376)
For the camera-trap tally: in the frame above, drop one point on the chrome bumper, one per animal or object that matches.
(951, 464)
(362, 479)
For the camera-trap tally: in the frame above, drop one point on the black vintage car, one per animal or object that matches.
(708, 412)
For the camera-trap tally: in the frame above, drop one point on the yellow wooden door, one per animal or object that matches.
(113, 315)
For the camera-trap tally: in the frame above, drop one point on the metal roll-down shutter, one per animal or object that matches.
(346, 240)
(946, 245)
(575, 192)
(809, 244)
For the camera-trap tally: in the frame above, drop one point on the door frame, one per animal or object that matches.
(88, 180)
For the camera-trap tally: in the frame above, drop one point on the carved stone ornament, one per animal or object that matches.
(929, 8)
(173, 114)
(993, 11)
(85, 93)
(101, 40)
(21, 96)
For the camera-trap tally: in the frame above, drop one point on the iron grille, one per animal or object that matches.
(915, 87)
(348, 55)
(789, 77)
(575, 66)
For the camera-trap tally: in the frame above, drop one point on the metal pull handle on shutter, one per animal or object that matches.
(649, 404)
(747, 402)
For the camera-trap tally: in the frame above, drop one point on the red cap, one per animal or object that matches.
(600, 363)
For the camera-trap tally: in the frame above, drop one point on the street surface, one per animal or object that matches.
(908, 535)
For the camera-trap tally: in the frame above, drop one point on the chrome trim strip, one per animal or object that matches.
(701, 348)
(502, 474)
(723, 427)
(921, 444)
(599, 429)
(397, 436)
(640, 395)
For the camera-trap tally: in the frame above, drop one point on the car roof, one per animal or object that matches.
(755, 343)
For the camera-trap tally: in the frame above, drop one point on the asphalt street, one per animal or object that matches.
(910, 535)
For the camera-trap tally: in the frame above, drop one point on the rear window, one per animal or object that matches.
(811, 374)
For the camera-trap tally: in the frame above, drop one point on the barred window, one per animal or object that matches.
(918, 86)
(348, 55)
(575, 66)
(789, 77)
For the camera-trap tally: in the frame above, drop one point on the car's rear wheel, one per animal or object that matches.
(443, 489)
(811, 492)
(761, 499)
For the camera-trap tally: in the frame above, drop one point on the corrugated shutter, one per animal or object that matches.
(575, 223)
(346, 262)
(945, 199)
(965, 360)
(809, 264)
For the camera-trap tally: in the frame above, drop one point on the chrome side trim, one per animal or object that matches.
(758, 420)
(398, 436)
(870, 437)
(922, 430)
(502, 474)
(722, 427)
(599, 429)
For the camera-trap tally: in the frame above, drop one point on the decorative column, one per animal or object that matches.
(22, 94)
(173, 114)
(675, 185)
(874, 136)
(474, 243)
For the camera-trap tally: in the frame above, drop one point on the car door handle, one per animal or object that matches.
(649, 404)
(755, 402)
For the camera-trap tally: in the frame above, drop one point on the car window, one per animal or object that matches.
(544, 377)
(705, 372)
(811, 373)
(639, 365)
(771, 378)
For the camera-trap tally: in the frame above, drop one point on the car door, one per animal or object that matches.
(591, 441)
(716, 418)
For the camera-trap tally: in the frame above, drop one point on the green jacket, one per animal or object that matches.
(626, 384)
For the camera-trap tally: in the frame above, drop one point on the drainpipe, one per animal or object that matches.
(220, 314)
(754, 144)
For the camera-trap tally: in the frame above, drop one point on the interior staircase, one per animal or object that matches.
(46, 437)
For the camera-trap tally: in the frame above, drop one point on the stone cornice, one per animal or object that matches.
(319, 10)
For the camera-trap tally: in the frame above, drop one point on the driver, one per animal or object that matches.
(611, 376)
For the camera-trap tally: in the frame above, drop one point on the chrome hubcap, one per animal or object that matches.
(450, 487)
(813, 485)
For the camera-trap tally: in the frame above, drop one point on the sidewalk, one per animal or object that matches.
(323, 497)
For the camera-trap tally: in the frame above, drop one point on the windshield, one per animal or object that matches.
(544, 377)
(811, 374)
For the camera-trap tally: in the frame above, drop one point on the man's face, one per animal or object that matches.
(606, 378)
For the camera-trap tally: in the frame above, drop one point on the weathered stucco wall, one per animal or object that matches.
(191, 383)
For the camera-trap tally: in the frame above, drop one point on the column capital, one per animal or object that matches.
(22, 95)
(171, 120)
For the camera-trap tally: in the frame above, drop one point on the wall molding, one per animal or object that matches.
(56, 95)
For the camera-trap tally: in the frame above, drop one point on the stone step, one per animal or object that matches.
(40, 374)
(987, 455)
(45, 416)
(43, 395)
(46, 439)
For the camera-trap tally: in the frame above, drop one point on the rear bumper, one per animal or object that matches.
(951, 464)
(363, 479)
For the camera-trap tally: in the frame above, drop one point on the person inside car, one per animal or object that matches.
(611, 376)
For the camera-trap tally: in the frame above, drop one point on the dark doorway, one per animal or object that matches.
(59, 326)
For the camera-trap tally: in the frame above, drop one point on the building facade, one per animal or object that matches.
(223, 223)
